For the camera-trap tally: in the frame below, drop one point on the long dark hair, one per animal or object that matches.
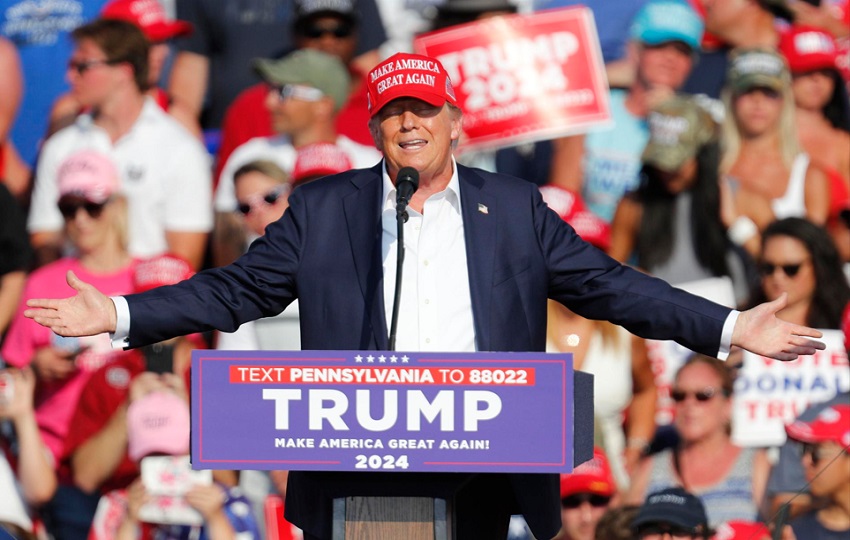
(832, 291)
(837, 109)
(657, 227)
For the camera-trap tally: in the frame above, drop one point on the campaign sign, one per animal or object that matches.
(387, 411)
(770, 393)
(522, 78)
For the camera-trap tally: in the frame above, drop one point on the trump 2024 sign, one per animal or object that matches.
(521, 78)
(386, 411)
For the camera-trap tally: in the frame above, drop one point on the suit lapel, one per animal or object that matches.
(365, 239)
(480, 212)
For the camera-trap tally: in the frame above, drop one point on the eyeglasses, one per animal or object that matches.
(269, 199)
(574, 501)
(70, 208)
(660, 529)
(338, 31)
(790, 270)
(701, 395)
(297, 91)
(81, 66)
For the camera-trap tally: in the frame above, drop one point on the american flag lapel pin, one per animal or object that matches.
(483, 209)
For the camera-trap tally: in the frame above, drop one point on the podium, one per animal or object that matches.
(390, 439)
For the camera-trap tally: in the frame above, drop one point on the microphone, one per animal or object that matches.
(407, 181)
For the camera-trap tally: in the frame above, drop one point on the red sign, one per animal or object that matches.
(523, 78)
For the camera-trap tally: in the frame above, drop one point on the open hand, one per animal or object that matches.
(88, 313)
(759, 331)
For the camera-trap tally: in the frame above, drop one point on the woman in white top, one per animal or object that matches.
(767, 175)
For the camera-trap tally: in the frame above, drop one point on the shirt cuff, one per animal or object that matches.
(121, 337)
(725, 335)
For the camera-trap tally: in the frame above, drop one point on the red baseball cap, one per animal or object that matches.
(149, 15)
(807, 49)
(570, 206)
(742, 530)
(409, 75)
(161, 270)
(832, 424)
(319, 159)
(592, 476)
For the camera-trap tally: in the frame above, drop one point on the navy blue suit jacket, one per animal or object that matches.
(326, 251)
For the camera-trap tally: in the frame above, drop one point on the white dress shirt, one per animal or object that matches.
(435, 312)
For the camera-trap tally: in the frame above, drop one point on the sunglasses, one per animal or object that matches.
(297, 91)
(574, 501)
(84, 65)
(339, 31)
(69, 209)
(268, 199)
(790, 270)
(701, 395)
(817, 453)
(660, 529)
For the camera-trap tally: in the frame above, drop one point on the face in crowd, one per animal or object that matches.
(787, 267)
(329, 34)
(262, 196)
(702, 402)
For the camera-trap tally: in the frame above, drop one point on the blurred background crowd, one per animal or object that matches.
(144, 140)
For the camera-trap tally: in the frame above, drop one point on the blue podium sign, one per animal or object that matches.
(382, 411)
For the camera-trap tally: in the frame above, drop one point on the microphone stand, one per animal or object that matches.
(401, 219)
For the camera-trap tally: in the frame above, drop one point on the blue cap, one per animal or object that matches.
(662, 21)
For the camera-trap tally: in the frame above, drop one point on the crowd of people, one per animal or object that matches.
(185, 126)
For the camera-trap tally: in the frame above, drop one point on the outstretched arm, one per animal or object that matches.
(759, 331)
(87, 313)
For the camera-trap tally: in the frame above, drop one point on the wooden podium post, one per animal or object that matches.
(378, 518)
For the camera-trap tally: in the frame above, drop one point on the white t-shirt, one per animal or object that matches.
(165, 175)
(279, 150)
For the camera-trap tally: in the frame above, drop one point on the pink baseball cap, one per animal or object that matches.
(409, 75)
(592, 476)
(158, 423)
(319, 159)
(149, 16)
(570, 206)
(807, 49)
(161, 270)
(90, 175)
(831, 424)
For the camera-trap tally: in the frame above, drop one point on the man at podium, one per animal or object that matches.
(483, 255)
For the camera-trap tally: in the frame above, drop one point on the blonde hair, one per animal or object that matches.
(789, 144)
(121, 220)
(265, 167)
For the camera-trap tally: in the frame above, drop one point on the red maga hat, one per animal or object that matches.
(409, 75)
(807, 49)
(148, 15)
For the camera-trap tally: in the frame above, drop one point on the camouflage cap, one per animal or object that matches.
(757, 68)
(678, 127)
(308, 67)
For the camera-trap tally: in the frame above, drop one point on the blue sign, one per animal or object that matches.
(382, 411)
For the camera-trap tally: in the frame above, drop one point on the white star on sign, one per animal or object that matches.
(358, 359)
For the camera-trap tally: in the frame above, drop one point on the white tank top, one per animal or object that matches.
(793, 202)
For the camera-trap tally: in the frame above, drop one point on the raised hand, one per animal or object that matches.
(87, 313)
(759, 331)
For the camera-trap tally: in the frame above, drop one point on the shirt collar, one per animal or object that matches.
(452, 191)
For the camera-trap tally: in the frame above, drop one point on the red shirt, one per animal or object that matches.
(106, 391)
